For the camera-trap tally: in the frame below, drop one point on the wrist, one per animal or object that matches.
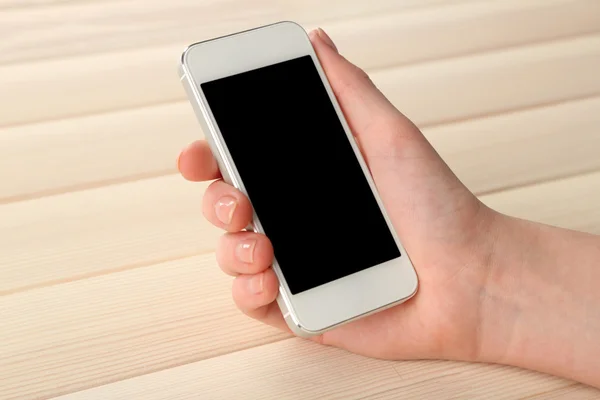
(538, 307)
(501, 307)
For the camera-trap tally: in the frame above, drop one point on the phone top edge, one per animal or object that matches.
(192, 45)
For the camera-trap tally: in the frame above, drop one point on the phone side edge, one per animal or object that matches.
(282, 301)
(195, 103)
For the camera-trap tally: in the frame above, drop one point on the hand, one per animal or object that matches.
(443, 226)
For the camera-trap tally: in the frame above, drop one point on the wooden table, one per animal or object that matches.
(108, 283)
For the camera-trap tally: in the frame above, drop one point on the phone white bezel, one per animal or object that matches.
(324, 307)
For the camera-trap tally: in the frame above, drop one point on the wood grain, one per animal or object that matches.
(123, 324)
(106, 82)
(257, 373)
(541, 144)
(516, 149)
(572, 392)
(96, 150)
(80, 27)
(72, 236)
(568, 203)
(374, 34)
(485, 84)
(148, 318)
(463, 28)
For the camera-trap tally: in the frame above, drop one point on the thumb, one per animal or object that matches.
(380, 128)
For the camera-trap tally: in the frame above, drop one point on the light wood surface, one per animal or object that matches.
(108, 283)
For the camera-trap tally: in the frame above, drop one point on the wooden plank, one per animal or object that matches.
(144, 319)
(67, 337)
(541, 144)
(80, 153)
(105, 82)
(459, 29)
(308, 370)
(568, 203)
(520, 148)
(73, 236)
(97, 83)
(491, 83)
(81, 27)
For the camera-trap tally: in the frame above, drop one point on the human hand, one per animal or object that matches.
(442, 225)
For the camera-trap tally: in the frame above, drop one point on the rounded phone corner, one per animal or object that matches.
(297, 328)
(415, 289)
(291, 24)
(414, 284)
(292, 322)
(183, 57)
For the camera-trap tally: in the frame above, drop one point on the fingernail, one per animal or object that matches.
(255, 284)
(244, 251)
(225, 208)
(325, 37)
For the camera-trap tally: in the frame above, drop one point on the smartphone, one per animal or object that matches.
(278, 134)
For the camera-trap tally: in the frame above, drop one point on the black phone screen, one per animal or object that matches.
(301, 174)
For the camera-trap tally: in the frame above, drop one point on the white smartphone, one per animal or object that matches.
(279, 136)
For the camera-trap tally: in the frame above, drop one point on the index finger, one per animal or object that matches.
(196, 162)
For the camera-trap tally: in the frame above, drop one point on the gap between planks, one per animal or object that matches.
(96, 274)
